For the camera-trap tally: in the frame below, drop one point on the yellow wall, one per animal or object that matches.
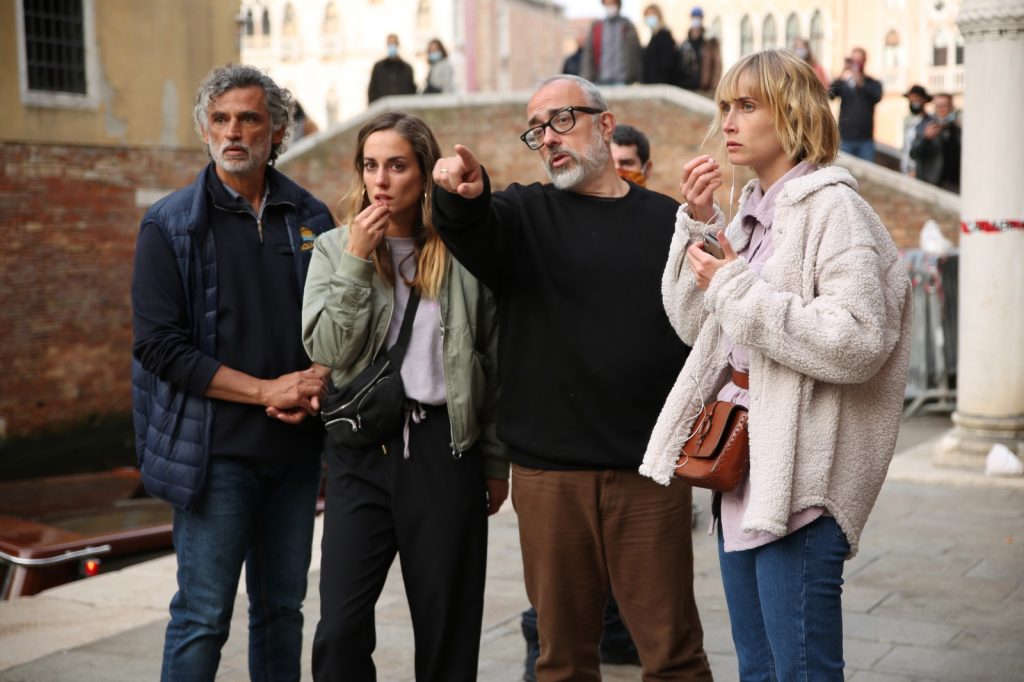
(151, 57)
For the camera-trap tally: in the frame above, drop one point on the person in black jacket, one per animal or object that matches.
(661, 59)
(391, 75)
(859, 93)
(222, 387)
(572, 63)
(937, 151)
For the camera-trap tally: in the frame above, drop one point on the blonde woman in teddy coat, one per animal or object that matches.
(806, 321)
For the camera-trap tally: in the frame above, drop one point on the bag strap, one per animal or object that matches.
(397, 352)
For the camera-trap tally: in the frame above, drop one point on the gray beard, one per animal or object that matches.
(582, 168)
(259, 153)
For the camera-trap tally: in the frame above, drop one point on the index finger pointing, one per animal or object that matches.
(467, 157)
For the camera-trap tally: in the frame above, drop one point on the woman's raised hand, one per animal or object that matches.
(704, 265)
(701, 177)
(366, 231)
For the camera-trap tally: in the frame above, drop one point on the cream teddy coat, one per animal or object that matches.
(828, 327)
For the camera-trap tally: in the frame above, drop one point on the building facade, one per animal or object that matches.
(324, 50)
(97, 125)
(907, 41)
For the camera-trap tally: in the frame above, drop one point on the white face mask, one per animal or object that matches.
(652, 21)
(696, 22)
(612, 11)
(801, 52)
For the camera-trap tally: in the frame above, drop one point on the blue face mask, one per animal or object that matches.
(434, 56)
(652, 21)
(392, 50)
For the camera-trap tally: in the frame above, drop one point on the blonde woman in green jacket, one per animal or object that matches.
(426, 494)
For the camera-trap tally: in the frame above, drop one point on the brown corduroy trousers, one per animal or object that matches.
(585, 532)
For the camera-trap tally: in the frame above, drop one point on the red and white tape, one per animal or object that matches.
(971, 226)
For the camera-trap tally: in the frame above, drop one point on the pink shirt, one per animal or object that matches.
(756, 216)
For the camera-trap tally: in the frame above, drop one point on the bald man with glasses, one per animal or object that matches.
(586, 359)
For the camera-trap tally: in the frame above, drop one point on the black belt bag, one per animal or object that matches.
(369, 410)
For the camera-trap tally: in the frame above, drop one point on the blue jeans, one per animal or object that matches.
(785, 605)
(862, 149)
(261, 513)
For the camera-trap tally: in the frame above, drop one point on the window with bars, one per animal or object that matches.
(55, 46)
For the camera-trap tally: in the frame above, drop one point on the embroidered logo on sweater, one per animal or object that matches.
(307, 237)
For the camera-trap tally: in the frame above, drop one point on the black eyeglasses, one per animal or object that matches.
(562, 121)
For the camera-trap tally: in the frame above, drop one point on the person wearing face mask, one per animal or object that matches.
(936, 149)
(391, 75)
(631, 152)
(700, 56)
(612, 54)
(913, 126)
(661, 64)
(802, 49)
(440, 77)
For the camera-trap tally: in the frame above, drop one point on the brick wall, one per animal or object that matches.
(675, 121)
(69, 217)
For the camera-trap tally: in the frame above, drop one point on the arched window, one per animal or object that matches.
(330, 26)
(769, 33)
(424, 15)
(891, 50)
(792, 29)
(330, 43)
(817, 37)
(289, 26)
(265, 22)
(959, 49)
(250, 26)
(940, 48)
(746, 36)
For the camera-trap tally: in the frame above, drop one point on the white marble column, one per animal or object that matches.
(990, 367)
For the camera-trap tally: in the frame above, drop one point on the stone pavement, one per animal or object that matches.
(936, 594)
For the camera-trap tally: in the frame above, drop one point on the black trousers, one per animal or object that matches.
(431, 510)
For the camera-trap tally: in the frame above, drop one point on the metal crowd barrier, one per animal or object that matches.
(931, 379)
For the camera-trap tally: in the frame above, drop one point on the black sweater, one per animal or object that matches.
(586, 353)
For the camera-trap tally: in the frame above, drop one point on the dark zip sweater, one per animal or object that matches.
(258, 318)
(586, 353)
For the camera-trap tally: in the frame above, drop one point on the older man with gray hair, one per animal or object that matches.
(586, 359)
(222, 385)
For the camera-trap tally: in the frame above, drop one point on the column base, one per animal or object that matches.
(969, 441)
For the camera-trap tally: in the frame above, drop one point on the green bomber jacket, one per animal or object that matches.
(346, 310)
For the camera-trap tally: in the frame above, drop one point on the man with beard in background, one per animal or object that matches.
(586, 358)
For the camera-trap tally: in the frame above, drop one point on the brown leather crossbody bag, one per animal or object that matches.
(717, 451)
